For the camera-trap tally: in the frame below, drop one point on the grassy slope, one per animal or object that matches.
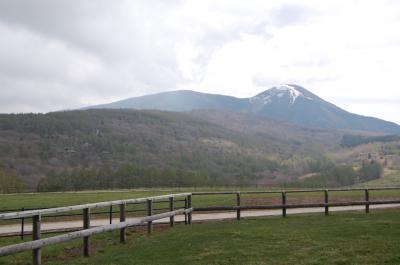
(351, 238)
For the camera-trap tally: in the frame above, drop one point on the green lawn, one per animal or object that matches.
(342, 238)
(55, 199)
(43, 200)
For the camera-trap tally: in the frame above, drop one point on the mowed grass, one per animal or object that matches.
(57, 199)
(341, 238)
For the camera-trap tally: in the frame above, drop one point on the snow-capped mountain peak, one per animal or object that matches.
(280, 91)
(287, 102)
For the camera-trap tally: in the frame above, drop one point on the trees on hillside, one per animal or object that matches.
(126, 176)
(336, 176)
(370, 170)
(9, 183)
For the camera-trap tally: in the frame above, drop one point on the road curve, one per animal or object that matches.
(13, 229)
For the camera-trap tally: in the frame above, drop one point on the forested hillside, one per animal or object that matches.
(89, 149)
(213, 147)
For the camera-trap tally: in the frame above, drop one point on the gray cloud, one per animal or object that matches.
(369, 101)
(102, 51)
(289, 14)
(95, 49)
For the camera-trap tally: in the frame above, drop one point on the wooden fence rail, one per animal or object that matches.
(291, 206)
(288, 191)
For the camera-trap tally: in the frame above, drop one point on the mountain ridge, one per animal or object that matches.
(287, 102)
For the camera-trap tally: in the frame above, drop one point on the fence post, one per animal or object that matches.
(22, 225)
(171, 208)
(86, 225)
(283, 204)
(186, 206)
(238, 204)
(149, 213)
(326, 202)
(189, 200)
(367, 201)
(111, 214)
(122, 218)
(37, 253)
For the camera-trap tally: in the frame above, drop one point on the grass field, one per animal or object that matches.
(342, 238)
(56, 199)
(45, 200)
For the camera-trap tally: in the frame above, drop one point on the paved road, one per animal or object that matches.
(52, 226)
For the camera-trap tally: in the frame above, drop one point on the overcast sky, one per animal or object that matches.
(58, 54)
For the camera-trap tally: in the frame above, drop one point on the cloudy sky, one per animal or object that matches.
(67, 54)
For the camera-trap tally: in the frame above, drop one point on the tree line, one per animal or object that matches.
(341, 175)
(126, 176)
(9, 183)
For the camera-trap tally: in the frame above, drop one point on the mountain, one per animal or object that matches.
(290, 103)
(298, 105)
(181, 100)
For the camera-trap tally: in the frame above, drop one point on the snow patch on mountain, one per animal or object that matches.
(280, 91)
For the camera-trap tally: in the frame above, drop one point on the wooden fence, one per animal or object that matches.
(36, 216)
(187, 210)
(110, 213)
(284, 205)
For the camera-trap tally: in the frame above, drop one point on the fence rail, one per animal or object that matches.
(289, 191)
(14, 215)
(292, 206)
